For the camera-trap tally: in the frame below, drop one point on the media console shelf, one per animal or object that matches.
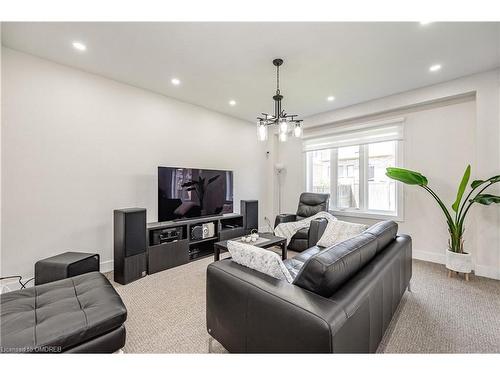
(171, 243)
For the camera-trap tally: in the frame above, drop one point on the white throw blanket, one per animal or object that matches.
(288, 230)
(338, 231)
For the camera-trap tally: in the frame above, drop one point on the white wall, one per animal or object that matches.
(443, 135)
(1, 126)
(75, 146)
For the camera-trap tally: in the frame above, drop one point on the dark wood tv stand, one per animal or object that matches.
(184, 249)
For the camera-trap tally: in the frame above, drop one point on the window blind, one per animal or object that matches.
(355, 135)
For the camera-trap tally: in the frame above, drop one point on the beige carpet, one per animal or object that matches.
(166, 313)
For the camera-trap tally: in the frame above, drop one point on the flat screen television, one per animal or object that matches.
(190, 193)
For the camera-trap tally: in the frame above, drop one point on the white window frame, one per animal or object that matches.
(362, 211)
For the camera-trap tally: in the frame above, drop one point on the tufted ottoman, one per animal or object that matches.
(81, 314)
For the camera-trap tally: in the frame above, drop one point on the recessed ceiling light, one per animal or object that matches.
(175, 81)
(331, 98)
(79, 46)
(435, 68)
(423, 23)
(232, 102)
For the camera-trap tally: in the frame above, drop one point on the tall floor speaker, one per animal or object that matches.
(250, 212)
(129, 244)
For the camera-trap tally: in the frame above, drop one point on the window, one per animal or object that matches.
(348, 185)
(381, 189)
(320, 171)
(371, 172)
(351, 167)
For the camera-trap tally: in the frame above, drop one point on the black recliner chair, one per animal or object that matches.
(309, 204)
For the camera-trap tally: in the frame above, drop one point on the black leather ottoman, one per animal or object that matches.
(81, 314)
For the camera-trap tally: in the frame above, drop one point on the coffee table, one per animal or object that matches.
(271, 240)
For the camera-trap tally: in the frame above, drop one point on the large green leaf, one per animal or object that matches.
(486, 199)
(461, 189)
(406, 176)
(476, 183)
(494, 179)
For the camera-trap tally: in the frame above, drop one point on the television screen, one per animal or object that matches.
(189, 193)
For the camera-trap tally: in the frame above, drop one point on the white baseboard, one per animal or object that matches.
(429, 256)
(106, 266)
(487, 271)
(479, 270)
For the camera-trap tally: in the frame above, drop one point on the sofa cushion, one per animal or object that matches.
(385, 232)
(293, 266)
(306, 254)
(296, 263)
(60, 314)
(325, 272)
(262, 260)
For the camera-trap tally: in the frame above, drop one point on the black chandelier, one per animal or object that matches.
(287, 123)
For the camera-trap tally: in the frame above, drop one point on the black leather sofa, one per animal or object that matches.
(342, 298)
(81, 314)
(309, 204)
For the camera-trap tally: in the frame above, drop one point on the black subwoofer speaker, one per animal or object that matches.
(129, 245)
(89, 264)
(65, 265)
(250, 212)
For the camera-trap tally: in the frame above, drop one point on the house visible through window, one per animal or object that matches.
(381, 189)
(348, 185)
(354, 174)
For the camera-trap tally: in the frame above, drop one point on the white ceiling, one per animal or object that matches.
(217, 62)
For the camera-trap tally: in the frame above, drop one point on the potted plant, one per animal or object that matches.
(456, 258)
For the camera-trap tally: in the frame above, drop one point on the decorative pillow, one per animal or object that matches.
(338, 231)
(259, 259)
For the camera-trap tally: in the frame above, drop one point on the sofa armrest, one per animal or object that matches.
(316, 230)
(248, 311)
(284, 218)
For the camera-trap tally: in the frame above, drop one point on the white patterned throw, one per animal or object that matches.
(259, 259)
(338, 231)
(254, 243)
(288, 230)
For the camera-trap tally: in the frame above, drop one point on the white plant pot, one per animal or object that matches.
(458, 262)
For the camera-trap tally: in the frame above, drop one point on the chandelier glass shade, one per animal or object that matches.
(262, 132)
(286, 123)
(297, 130)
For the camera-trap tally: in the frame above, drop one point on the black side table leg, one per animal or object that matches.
(284, 251)
(216, 253)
